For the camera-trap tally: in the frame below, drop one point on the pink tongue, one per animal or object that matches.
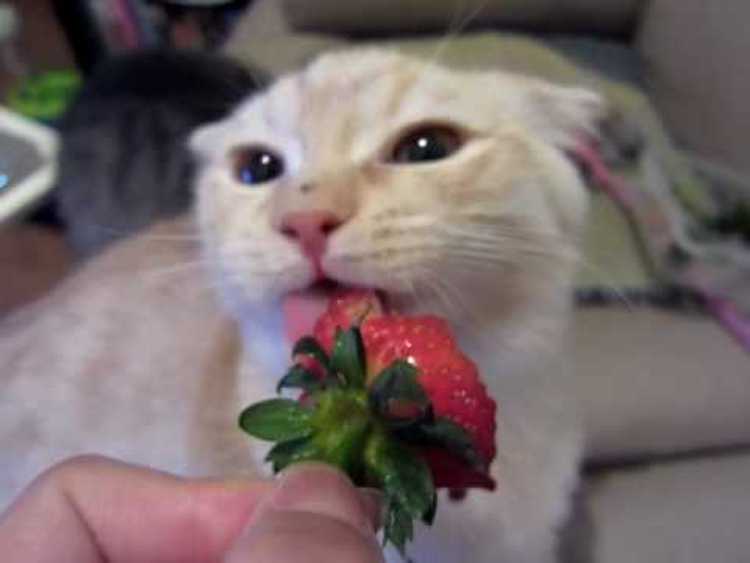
(301, 310)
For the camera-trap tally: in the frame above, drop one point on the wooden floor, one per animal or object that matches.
(33, 259)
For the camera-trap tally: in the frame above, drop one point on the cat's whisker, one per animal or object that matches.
(451, 298)
(503, 225)
(536, 244)
(497, 234)
(470, 318)
(212, 287)
(423, 277)
(247, 250)
(481, 247)
(452, 31)
(478, 239)
(488, 260)
(173, 269)
(240, 251)
(489, 257)
(115, 232)
(250, 247)
(176, 268)
(413, 222)
(406, 282)
(206, 262)
(428, 284)
(487, 266)
(456, 26)
(359, 256)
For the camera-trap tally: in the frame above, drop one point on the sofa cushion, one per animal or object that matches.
(652, 382)
(391, 16)
(691, 512)
(696, 55)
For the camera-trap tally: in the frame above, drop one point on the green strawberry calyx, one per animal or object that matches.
(374, 433)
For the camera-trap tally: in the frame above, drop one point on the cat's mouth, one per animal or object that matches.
(301, 308)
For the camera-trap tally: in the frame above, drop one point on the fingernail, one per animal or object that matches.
(322, 489)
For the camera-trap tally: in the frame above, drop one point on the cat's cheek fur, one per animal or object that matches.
(250, 262)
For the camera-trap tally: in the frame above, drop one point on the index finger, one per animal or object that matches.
(91, 510)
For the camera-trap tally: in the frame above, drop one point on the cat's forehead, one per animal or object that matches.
(370, 88)
(358, 70)
(354, 105)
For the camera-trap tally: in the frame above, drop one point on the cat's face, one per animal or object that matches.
(445, 190)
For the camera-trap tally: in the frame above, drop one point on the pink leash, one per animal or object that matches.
(722, 309)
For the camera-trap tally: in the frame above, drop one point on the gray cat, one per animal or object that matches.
(124, 161)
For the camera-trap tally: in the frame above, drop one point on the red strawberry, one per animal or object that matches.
(389, 399)
(345, 309)
(449, 378)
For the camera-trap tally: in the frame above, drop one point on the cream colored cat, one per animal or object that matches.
(449, 192)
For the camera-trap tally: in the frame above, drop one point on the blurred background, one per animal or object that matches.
(88, 83)
(97, 98)
(109, 90)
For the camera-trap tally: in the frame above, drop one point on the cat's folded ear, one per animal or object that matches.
(562, 115)
(566, 116)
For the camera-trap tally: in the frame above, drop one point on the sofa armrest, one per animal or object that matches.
(691, 512)
(651, 383)
(696, 65)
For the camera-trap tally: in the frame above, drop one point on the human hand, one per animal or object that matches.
(92, 510)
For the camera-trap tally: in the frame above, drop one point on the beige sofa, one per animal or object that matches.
(665, 396)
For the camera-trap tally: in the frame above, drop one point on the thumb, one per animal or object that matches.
(313, 514)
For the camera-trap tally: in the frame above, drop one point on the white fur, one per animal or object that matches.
(518, 309)
(487, 238)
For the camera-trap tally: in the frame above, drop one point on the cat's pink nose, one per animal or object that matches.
(310, 229)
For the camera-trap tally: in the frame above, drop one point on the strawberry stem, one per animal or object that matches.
(379, 435)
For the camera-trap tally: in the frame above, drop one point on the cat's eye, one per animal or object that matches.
(426, 144)
(256, 165)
